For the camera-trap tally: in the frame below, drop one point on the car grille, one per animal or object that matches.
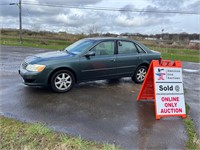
(24, 65)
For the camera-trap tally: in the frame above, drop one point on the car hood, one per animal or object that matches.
(48, 56)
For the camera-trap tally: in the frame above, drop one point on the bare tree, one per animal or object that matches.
(36, 27)
(92, 30)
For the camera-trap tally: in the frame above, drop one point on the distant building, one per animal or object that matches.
(195, 41)
(123, 36)
(150, 38)
(195, 44)
(165, 37)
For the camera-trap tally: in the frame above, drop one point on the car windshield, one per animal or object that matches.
(79, 46)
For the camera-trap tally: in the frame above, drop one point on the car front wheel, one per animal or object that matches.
(62, 81)
(140, 74)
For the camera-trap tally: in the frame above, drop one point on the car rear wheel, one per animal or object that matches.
(62, 81)
(140, 74)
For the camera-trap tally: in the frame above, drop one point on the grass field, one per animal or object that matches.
(167, 53)
(179, 54)
(16, 135)
(35, 42)
(193, 142)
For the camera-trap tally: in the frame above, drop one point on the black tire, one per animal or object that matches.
(62, 81)
(139, 74)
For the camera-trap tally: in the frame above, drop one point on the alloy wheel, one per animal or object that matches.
(141, 74)
(63, 81)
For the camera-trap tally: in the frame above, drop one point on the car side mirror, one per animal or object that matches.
(90, 53)
(119, 43)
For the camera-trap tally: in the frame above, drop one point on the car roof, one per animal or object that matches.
(108, 38)
(111, 38)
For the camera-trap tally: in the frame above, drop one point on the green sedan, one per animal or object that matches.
(88, 59)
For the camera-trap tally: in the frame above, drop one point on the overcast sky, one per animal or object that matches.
(75, 20)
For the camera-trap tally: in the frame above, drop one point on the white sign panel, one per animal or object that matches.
(169, 91)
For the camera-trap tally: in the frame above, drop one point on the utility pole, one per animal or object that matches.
(20, 21)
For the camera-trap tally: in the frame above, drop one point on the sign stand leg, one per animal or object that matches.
(184, 116)
(157, 117)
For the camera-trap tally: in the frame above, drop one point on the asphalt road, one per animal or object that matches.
(103, 111)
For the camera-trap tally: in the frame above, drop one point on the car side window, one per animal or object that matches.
(140, 49)
(125, 47)
(104, 48)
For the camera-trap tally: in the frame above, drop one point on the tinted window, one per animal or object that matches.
(125, 47)
(140, 49)
(80, 46)
(104, 48)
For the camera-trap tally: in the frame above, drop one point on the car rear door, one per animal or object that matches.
(102, 65)
(128, 58)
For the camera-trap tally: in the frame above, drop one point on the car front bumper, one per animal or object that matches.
(33, 78)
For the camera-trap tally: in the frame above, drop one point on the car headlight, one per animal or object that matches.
(35, 67)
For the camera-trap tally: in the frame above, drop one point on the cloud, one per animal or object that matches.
(134, 22)
(142, 18)
(168, 4)
(195, 6)
(70, 2)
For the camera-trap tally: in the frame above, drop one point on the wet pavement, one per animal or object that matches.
(104, 111)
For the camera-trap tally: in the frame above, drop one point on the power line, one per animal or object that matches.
(114, 9)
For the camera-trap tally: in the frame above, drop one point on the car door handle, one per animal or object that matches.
(112, 60)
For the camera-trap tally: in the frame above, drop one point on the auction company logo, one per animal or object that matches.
(160, 74)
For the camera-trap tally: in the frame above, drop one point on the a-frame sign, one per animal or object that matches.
(164, 84)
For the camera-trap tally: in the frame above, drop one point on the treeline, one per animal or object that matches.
(165, 36)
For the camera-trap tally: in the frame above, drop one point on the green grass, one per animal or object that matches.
(16, 135)
(184, 57)
(35, 42)
(179, 54)
(38, 42)
(193, 142)
(177, 51)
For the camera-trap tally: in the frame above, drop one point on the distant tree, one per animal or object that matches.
(36, 27)
(183, 36)
(158, 36)
(92, 30)
(194, 36)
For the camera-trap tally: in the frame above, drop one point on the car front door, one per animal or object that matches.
(127, 58)
(102, 64)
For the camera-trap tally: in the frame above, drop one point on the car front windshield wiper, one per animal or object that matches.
(68, 51)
